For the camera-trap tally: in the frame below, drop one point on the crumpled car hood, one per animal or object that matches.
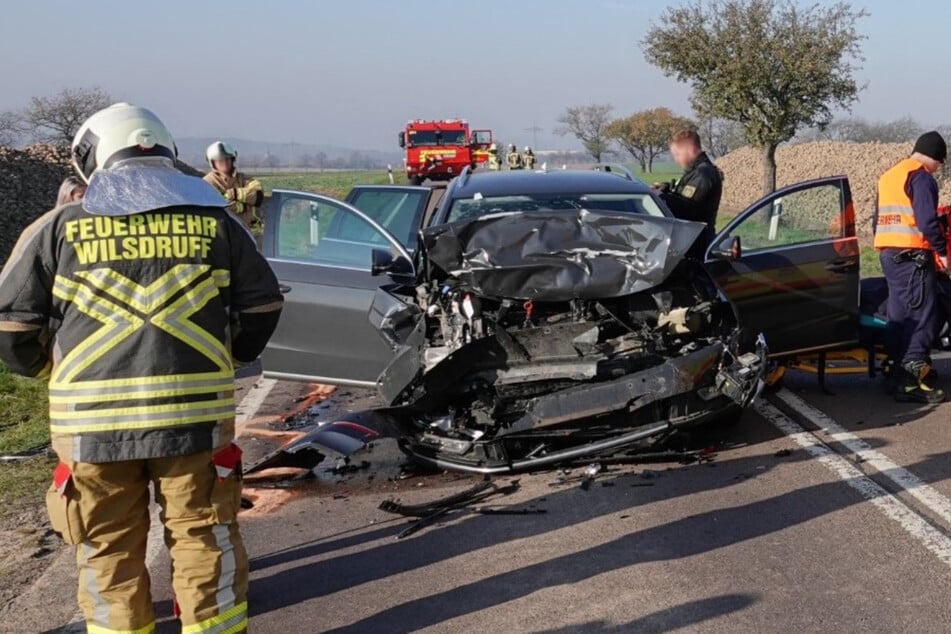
(555, 256)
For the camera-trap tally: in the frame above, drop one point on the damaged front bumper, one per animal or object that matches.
(669, 389)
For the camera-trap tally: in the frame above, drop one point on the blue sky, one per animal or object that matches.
(351, 73)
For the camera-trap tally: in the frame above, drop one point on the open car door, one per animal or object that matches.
(321, 250)
(796, 277)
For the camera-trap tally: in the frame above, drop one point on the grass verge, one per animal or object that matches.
(24, 425)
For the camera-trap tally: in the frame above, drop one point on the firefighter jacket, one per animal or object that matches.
(529, 160)
(896, 226)
(135, 321)
(244, 195)
(514, 160)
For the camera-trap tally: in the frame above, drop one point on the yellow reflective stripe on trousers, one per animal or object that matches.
(228, 622)
(92, 628)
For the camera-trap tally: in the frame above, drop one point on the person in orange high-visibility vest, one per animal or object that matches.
(912, 248)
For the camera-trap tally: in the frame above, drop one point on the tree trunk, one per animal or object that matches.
(769, 169)
(650, 164)
(642, 163)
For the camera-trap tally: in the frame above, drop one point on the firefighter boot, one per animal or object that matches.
(912, 388)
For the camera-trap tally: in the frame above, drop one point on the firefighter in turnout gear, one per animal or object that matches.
(528, 158)
(912, 247)
(134, 302)
(513, 159)
(244, 195)
(494, 163)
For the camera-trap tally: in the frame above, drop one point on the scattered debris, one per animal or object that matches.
(589, 474)
(432, 511)
(783, 453)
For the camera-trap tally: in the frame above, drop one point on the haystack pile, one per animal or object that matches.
(863, 163)
(29, 181)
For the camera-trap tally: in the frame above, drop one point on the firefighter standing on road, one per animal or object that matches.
(494, 163)
(513, 159)
(912, 246)
(529, 158)
(133, 303)
(696, 196)
(244, 194)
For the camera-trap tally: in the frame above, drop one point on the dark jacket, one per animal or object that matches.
(135, 320)
(696, 196)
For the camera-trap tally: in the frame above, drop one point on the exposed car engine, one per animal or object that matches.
(573, 349)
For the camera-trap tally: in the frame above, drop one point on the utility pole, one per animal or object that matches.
(534, 130)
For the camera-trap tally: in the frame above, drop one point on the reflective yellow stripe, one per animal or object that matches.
(118, 325)
(228, 622)
(95, 396)
(144, 298)
(144, 410)
(78, 428)
(145, 380)
(174, 319)
(222, 277)
(92, 628)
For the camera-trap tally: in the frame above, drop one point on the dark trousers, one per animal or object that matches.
(912, 306)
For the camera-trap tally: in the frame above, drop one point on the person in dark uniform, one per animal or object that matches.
(696, 196)
(913, 248)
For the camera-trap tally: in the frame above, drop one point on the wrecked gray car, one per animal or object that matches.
(528, 339)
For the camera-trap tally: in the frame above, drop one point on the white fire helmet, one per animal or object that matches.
(220, 150)
(121, 131)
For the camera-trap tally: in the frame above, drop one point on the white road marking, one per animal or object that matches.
(903, 478)
(252, 401)
(914, 524)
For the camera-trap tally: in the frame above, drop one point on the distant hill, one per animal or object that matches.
(269, 154)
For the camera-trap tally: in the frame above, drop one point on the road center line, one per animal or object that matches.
(914, 524)
(903, 478)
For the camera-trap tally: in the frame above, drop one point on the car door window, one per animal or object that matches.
(798, 217)
(397, 211)
(324, 232)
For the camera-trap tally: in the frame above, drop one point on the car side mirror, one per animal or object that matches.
(383, 263)
(402, 140)
(727, 249)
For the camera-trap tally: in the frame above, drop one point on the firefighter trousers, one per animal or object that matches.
(103, 509)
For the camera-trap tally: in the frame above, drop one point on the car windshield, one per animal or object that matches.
(635, 203)
(436, 137)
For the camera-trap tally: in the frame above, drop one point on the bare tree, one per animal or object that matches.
(56, 119)
(589, 125)
(719, 136)
(11, 128)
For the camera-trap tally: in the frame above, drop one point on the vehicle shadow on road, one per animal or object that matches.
(611, 497)
(668, 619)
(683, 538)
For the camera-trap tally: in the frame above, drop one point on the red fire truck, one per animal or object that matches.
(439, 150)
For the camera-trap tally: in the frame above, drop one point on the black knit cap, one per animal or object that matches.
(932, 145)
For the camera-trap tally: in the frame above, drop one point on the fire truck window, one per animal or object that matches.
(432, 137)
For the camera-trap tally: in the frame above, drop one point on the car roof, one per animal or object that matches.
(516, 182)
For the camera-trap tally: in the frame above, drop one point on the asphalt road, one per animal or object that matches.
(817, 513)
